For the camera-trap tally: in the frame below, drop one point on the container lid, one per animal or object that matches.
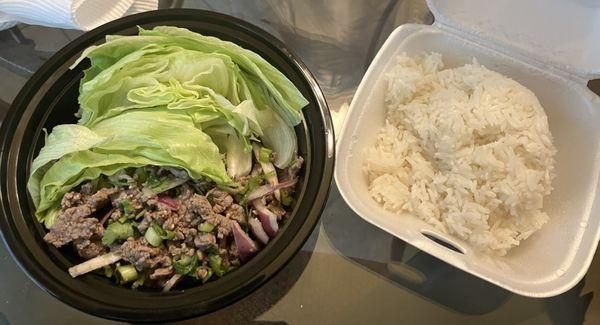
(562, 33)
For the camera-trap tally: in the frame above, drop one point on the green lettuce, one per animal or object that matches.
(132, 139)
(268, 85)
(185, 69)
(168, 97)
(63, 140)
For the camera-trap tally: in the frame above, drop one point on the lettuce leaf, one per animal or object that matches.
(168, 97)
(63, 140)
(237, 156)
(268, 84)
(279, 137)
(188, 70)
(132, 139)
(282, 91)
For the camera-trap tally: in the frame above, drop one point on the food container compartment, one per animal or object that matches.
(50, 98)
(556, 257)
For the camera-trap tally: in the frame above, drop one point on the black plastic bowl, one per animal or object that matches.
(50, 98)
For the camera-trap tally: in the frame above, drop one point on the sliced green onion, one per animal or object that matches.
(117, 231)
(206, 227)
(186, 264)
(153, 237)
(264, 155)
(168, 235)
(186, 260)
(155, 234)
(216, 265)
(126, 273)
(286, 200)
(139, 215)
(126, 207)
(252, 184)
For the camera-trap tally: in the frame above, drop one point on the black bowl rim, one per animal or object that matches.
(20, 254)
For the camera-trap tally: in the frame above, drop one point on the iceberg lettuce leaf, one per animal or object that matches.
(168, 97)
(132, 139)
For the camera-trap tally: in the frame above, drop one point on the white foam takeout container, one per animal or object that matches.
(552, 48)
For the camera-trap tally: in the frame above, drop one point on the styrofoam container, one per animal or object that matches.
(555, 258)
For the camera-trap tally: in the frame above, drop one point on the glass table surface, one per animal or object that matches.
(348, 272)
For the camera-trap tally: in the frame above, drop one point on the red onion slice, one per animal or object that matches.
(264, 190)
(258, 231)
(267, 218)
(245, 245)
(168, 201)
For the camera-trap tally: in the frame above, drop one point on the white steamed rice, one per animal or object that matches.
(466, 150)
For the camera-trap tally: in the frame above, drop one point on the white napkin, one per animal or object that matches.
(70, 14)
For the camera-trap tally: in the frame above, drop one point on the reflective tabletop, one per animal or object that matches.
(348, 272)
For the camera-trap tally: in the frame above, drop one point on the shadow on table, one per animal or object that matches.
(257, 303)
(426, 275)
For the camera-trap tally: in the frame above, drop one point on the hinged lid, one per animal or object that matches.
(562, 33)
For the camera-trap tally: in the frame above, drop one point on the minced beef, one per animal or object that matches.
(72, 224)
(115, 214)
(204, 240)
(171, 222)
(179, 211)
(221, 200)
(182, 249)
(89, 249)
(142, 256)
(277, 209)
(133, 197)
(190, 219)
(293, 170)
(200, 205)
(161, 273)
(87, 188)
(221, 222)
(160, 217)
(188, 233)
(101, 198)
(186, 193)
(71, 199)
(236, 212)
